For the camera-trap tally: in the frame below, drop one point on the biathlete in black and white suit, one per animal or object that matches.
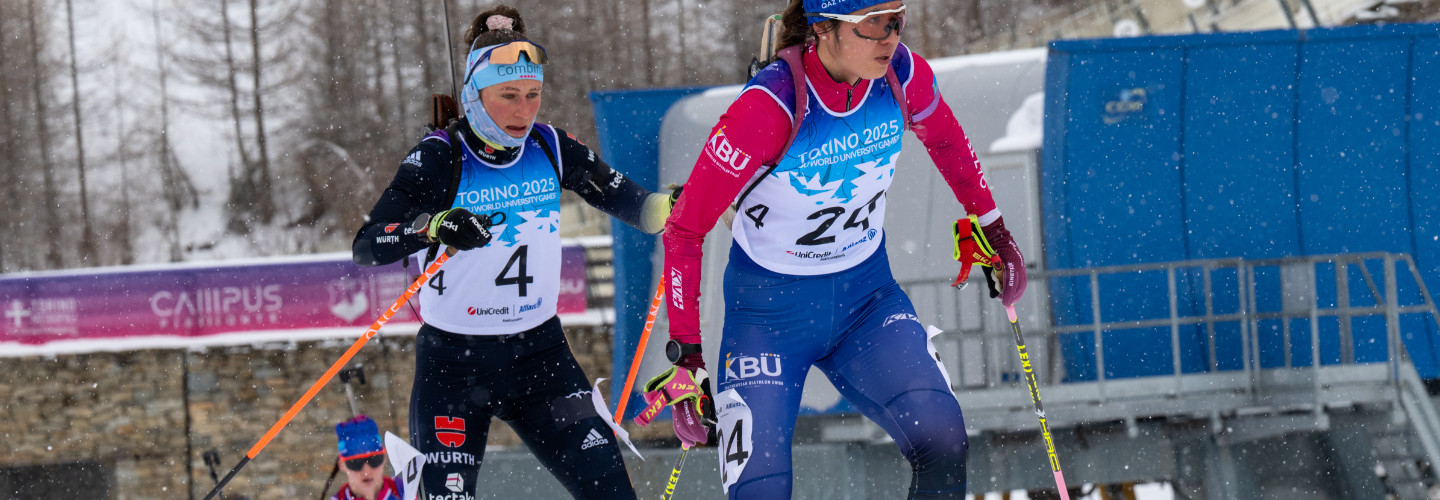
(491, 344)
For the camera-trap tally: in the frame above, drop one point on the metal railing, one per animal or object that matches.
(1208, 294)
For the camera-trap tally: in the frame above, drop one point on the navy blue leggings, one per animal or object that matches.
(860, 329)
(532, 382)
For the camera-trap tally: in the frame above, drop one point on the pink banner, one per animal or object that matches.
(194, 301)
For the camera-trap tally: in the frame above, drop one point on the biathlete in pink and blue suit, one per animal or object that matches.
(809, 283)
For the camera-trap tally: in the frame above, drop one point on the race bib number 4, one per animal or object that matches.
(734, 431)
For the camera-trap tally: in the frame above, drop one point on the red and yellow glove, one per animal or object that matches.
(992, 248)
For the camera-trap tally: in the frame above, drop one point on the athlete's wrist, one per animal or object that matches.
(692, 361)
(676, 350)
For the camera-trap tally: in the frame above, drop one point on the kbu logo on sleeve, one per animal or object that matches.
(725, 154)
(450, 431)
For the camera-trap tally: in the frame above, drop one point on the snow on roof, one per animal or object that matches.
(1007, 57)
(1026, 128)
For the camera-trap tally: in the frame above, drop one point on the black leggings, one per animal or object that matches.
(532, 382)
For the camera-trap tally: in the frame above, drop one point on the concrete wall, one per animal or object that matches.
(129, 420)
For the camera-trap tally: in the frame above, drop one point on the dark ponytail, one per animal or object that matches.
(795, 28)
(479, 30)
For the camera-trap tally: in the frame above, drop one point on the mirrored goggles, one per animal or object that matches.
(509, 54)
(874, 25)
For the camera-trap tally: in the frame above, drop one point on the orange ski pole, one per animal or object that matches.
(334, 369)
(640, 349)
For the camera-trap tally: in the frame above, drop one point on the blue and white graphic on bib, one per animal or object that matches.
(821, 209)
(513, 283)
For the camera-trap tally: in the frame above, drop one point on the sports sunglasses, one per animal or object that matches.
(510, 54)
(874, 25)
(356, 464)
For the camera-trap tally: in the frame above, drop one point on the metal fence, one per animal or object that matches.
(1218, 297)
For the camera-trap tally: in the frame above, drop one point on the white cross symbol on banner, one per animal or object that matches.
(17, 313)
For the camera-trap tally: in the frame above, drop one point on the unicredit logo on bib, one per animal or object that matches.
(487, 311)
(810, 254)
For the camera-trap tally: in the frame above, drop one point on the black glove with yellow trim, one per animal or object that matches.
(459, 228)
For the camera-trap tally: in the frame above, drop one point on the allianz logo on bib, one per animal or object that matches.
(725, 154)
(532, 307)
(869, 235)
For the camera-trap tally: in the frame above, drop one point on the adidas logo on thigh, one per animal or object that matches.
(593, 439)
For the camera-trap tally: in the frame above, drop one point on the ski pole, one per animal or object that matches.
(212, 460)
(449, 50)
(640, 350)
(335, 368)
(675, 475)
(971, 247)
(358, 374)
(1035, 398)
(333, 472)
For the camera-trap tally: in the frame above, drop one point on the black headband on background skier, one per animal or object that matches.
(491, 344)
(805, 157)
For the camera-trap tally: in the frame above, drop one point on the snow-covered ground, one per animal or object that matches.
(1146, 491)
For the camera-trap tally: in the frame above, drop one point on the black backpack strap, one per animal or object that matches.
(457, 166)
(457, 159)
(545, 146)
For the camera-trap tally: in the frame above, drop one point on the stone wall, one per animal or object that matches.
(141, 414)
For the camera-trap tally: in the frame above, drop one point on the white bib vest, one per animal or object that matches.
(821, 210)
(512, 284)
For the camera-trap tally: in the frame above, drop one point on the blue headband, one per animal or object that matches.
(836, 7)
(484, 74)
